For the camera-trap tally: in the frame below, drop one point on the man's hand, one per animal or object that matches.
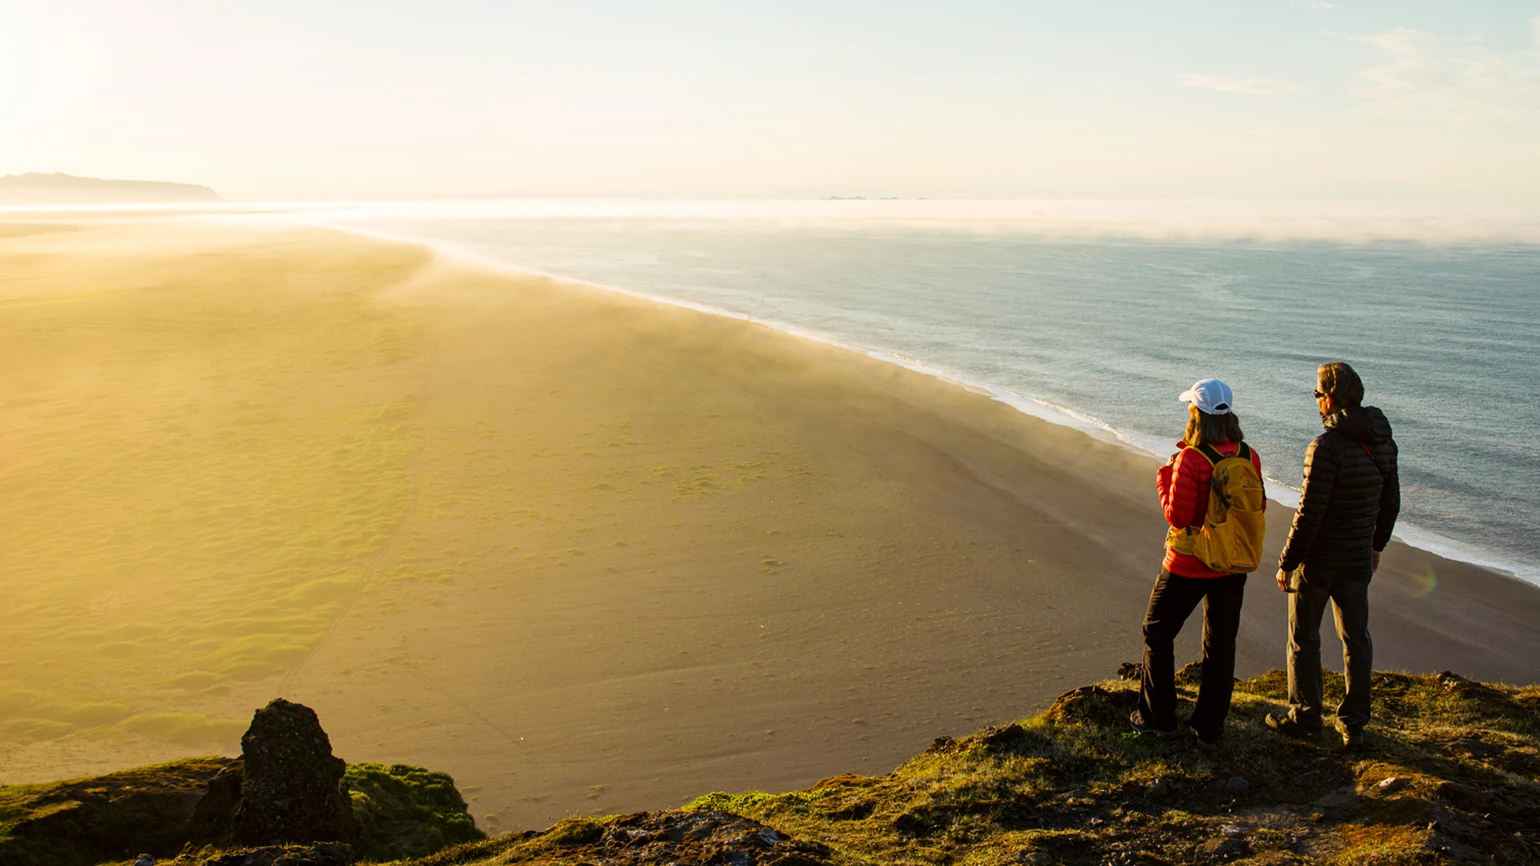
(1374, 562)
(1283, 581)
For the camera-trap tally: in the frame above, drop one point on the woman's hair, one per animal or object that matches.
(1206, 429)
(1342, 383)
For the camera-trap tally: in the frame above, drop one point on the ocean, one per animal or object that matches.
(1100, 321)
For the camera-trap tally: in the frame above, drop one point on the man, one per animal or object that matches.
(1347, 509)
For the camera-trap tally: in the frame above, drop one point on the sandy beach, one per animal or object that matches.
(582, 551)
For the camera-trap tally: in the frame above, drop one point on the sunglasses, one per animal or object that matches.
(1319, 395)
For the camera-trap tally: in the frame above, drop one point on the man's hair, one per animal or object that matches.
(1342, 383)
(1206, 429)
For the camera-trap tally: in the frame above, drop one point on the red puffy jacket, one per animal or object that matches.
(1184, 500)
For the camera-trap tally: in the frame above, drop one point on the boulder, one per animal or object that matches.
(291, 788)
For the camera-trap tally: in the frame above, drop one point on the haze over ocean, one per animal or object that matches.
(1444, 326)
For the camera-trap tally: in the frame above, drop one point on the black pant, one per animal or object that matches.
(1349, 600)
(1172, 600)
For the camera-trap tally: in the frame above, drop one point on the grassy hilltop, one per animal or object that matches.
(1450, 774)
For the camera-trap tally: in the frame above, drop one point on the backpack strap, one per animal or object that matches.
(1214, 455)
(1368, 452)
(1375, 460)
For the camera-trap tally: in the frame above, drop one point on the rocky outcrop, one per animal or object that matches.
(321, 854)
(286, 802)
(291, 787)
(286, 788)
(703, 838)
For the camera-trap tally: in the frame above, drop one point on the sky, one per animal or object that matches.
(401, 99)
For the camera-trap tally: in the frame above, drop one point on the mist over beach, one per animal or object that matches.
(759, 402)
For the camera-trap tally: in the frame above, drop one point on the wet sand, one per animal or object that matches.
(585, 552)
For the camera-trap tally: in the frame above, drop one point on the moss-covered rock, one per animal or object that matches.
(403, 812)
(407, 811)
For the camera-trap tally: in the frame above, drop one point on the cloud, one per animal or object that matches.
(1314, 4)
(1405, 41)
(1436, 79)
(1248, 86)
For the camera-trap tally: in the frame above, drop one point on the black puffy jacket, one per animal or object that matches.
(1351, 496)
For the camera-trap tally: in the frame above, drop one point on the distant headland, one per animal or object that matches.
(52, 189)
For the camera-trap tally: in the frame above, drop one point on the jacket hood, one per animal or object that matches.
(1365, 425)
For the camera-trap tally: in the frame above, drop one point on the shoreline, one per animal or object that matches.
(1413, 535)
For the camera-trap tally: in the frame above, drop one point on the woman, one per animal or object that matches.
(1185, 580)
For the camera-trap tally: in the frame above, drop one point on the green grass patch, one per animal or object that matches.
(408, 811)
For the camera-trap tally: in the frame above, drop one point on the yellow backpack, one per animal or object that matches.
(1230, 539)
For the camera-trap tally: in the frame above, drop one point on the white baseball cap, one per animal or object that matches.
(1211, 396)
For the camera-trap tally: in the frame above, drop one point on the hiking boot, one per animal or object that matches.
(1352, 737)
(1284, 724)
(1202, 744)
(1141, 728)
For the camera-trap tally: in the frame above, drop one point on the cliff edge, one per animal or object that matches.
(1450, 773)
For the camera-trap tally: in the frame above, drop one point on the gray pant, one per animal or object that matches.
(1349, 599)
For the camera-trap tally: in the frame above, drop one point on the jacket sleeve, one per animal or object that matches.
(1390, 501)
(1179, 490)
(1321, 465)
